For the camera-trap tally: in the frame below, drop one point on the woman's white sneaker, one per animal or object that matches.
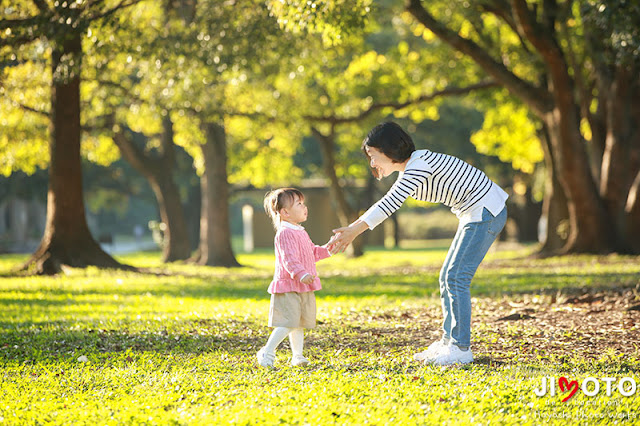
(431, 353)
(452, 354)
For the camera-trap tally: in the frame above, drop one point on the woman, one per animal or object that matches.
(478, 203)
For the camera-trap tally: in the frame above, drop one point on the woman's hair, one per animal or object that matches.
(278, 199)
(391, 140)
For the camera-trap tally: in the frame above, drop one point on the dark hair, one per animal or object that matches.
(391, 140)
(278, 199)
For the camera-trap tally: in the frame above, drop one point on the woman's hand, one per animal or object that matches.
(345, 235)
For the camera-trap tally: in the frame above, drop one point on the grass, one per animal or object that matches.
(177, 346)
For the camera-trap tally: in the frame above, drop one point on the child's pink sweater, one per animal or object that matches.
(296, 255)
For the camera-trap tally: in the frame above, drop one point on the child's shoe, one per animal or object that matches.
(431, 353)
(452, 354)
(265, 359)
(299, 360)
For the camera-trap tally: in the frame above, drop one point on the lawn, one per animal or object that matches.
(176, 343)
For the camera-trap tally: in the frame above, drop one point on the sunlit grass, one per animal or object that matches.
(178, 346)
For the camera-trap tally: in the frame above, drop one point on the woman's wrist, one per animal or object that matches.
(359, 226)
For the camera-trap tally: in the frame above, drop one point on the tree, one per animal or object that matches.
(194, 55)
(136, 113)
(342, 91)
(224, 47)
(58, 30)
(158, 169)
(560, 60)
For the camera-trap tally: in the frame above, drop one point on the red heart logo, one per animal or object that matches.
(566, 385)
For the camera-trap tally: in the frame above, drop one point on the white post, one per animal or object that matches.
(247, 227)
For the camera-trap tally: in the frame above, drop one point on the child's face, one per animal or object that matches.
(296, 212)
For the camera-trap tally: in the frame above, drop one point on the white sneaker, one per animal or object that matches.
(297, 360)
(452, 354)
(264, 359)
(432, 351)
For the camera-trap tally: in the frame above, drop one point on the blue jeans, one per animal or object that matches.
(469, 246)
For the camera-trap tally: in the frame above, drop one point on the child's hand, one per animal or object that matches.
(308, 279)
(329, 245)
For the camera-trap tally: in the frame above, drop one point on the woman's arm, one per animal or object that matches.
(345, 235)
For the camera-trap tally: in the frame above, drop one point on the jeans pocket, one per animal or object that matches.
(496, 224)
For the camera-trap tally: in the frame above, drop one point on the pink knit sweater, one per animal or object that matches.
(296, 255)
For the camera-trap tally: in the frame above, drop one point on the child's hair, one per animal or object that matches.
(278, 199)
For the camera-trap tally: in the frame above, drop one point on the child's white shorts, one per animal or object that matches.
(293, 310)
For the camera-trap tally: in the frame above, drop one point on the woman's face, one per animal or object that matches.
(383, 164)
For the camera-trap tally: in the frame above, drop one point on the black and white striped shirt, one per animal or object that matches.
(440, 178)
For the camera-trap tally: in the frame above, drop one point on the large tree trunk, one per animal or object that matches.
(67, 239)
(215, 231)
(590, 228)
(618, 165)
(159, 171)
(346, 214)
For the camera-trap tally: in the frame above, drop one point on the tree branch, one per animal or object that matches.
(19, 23)
(42, 6)
(501, 12)
(450, 91)
(537, 98)
(122, 5)
(28, 108)
(125, 91)
(540, 37)
(31, 109)
(132, 153)
(585, 92)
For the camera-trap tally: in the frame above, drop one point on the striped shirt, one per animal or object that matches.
(440, 178)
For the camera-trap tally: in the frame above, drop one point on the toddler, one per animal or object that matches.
(293, 302)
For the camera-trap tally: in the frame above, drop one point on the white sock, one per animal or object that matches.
(277, 335)
(296, 338)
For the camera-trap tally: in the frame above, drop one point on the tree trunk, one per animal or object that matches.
(526, 213)
(215, 231)
(632, 215)
(159, 172)
(555, 209)
(346, 214)
(617, 172)
(589, 228)
(67, 239)
(632, 207)
(367, 199)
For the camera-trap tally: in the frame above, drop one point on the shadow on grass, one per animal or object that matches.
(393, 286)
(363, 346)
(40, 343)
(547, 283)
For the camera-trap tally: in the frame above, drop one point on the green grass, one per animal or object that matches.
(178, 346)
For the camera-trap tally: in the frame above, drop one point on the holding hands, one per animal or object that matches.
(344, 236)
